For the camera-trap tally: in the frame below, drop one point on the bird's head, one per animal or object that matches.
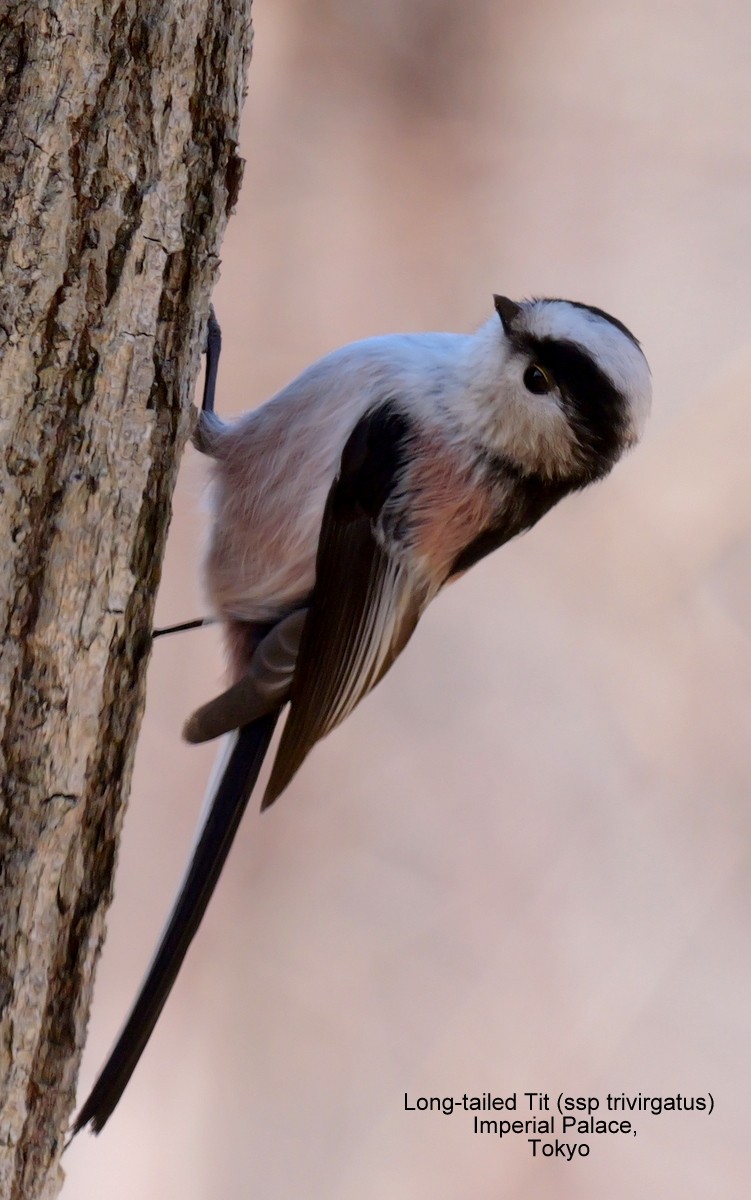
(572, 388)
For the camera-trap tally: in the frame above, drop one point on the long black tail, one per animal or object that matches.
(214, 842)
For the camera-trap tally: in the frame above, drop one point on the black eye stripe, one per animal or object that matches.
(596, 410)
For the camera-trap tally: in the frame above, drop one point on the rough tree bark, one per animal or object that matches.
(118, 167)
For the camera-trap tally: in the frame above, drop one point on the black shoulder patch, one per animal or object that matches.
(371, 461)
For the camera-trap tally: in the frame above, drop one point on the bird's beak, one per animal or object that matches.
(507, 310)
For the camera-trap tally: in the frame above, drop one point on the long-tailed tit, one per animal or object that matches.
(341, 508)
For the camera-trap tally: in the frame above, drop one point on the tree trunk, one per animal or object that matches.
(118, 167)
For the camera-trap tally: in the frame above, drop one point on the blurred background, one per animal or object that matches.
(523, 864)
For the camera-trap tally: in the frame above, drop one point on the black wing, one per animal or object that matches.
(367, 598)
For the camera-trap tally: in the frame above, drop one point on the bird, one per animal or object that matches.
(340, 508)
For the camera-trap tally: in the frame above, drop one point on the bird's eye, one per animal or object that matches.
(537, 380)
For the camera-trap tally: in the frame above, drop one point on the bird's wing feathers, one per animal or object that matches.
(367, 597)
(399, 511)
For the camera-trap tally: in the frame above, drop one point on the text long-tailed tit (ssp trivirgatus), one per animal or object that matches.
(341, 508)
